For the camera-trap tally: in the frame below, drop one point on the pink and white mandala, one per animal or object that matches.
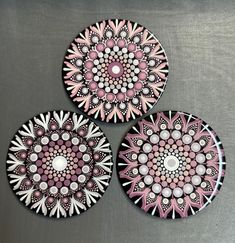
(115, 70)
(171, 164)
(59, 164)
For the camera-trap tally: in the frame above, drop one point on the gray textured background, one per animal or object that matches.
(199, 39)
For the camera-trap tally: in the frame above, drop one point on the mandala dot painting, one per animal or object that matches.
(115, 70)
(59, 164)
(171, 164)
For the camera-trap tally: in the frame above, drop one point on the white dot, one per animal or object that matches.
(152, 195)
(202, 142)
(208, 156)
(85, 49)
(180, 200)
(166, 192)
(86, 157)
(195, 147)
(107, 50)
(82, 148)
(163, 126)
(45, 140)
(43, 185)
(38, 148)
(187, 139)
(108, 106)
(156, 188)
(177, 126)
(164, 134)
(151, 63)
(65, 136)
(33, 168)
(53, 190)
(171, 163)
(122, 106)
(188, 188)
(151, 78)
(64, 190)
(176, 134)
(154, 139)
(146, 49)
(143, 158)
(123, 89)
(193, 195)
(59, 163)
(54, 136)
(203, 184)
(79, 77)
(196, 180)
(95, 39)
(135, 171)
(178, 192)
(134, 156)
(85, 90)
(143, 170)
(141, 184)
(136, 39)
(165, 201)
(124, 50)
(139, 142)
(200, 158)
(200, 169)
(74, 186)
(95, 100)
(81, 178)
(148, 179)
(123, 34)
(109, 34)
(75, 141)
(147, 148)
(36, 177)
(85, 169)
(33, 157)
(135, 101)
(79, 62)
(191, 132)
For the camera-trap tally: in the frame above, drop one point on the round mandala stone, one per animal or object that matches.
(115, 70)
(171, 164)
(59, 164)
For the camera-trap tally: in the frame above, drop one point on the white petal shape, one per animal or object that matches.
(28, 130)
(40, 204)
(26, 195)
(58, 209)
(44, 120)
(62, 118)
(15, 162)
(75, 205)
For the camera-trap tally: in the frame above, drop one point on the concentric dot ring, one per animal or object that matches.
(59, 164)
(171, 164)
(115, 70)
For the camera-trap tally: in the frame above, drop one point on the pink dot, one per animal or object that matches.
(170, 141)
(44, 178)
(51, 183)
(59, 184)
(192, 155)
(67, 182)
(142, 76)
(186, 148)
(139, 54)
(180, 183)
(68, 144)
(130, 93)
(192, 172)
(93, 54)
(179, 142)
(110, 97)
(164, 183)
(120, 97)
(151, 172)
(50, 199)
(89, 75)
(187, 179)
(100, 47)
(37, 193)
(143, 65)
(110, 43)
(121, 43)
(193, 163)
(81, 163)
(131, 47)
(79, 155)
(150, 155)
(40, 171)
(89, 64)
(162, 143)
(172, 185)
(138, 85)
(74, 178)
(68, 176)
(100, 93)
(93, 85)
(156, 179)
(155, 148)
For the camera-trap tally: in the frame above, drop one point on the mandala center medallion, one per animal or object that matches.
(171, 163)
(59, 163)
(115, 69)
